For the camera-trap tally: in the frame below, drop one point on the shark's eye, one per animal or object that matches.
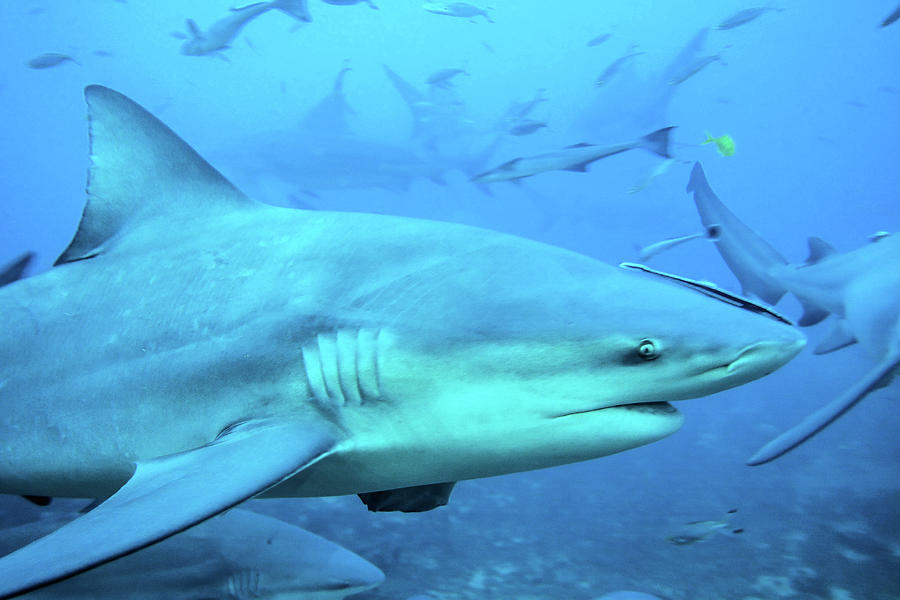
(648, 349)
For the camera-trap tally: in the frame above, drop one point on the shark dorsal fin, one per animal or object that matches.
(819, 249)
(140, 169)
(579, 145)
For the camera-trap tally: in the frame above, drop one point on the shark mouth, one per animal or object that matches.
(655, 408)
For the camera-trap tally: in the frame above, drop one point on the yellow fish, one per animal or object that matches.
(724, 143)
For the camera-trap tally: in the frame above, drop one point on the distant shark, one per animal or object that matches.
(239, 554)
(193, 348)
(221, 33)
(860, 288)
(573, 158)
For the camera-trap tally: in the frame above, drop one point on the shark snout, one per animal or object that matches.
(762, 357)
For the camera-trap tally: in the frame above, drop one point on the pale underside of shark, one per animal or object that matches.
(860, 288)
(193, 349)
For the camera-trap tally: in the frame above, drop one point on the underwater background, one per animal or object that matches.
(306, 114)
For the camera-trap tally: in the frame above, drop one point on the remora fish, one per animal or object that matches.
(350, 3)
(649, 251)
(49, 59)
(858, 287)
(443, 77)
(744, 16)
(457, 9)
(239, 554)
(697, 531)
(692, 68)
(573, 158)
(222, 32)
(208, 349)
(610, 71)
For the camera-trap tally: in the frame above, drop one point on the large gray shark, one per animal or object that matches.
(239, 554)
(860, 288)
(193, 348)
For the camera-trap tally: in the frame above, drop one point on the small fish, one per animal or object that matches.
(614, 67)
(694, 67)
(743, 17)
(660, 169)
(444, 77)
(647, 252)
(457, 9)
(599, 39)
(697, 531)
(50, 59)
(894, 16)
(526, 127)
(350, 3)
(724, 143)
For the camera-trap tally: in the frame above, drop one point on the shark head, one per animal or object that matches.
(513, 355)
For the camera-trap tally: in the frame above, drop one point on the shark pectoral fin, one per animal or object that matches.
(839, 337)
(167, 495)
(193, 29)
(812, 314)
(141, 169)
(822, 418)
(579, 168)
(418, 498)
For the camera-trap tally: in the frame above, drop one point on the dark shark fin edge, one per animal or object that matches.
(139, 169)
(839, 337)
(167, 495)
(16, 269)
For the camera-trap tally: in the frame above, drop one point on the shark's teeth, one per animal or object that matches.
(342, 367)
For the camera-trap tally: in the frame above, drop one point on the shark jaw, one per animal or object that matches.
(467, 413)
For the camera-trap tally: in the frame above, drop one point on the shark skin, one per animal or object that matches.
(193, 348)
(239, 554)
(858, 287)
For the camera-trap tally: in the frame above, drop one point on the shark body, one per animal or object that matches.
(239, 554)
(193, 348)
(858, 287)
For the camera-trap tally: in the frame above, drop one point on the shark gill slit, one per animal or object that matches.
(342, 367)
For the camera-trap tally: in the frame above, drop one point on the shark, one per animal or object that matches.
(239, 554)
(193, 348)
(221, 33)
(857, 287)
(576, 157)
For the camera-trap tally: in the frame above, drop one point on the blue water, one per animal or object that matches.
(810, 96)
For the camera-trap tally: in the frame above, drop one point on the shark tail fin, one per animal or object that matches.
(657, 142)
(750, 258)
(293, 8)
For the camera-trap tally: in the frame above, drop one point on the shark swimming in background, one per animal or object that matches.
(222, 32)
(192, 348)
(573, 158)
(860, 288)
(239, 554)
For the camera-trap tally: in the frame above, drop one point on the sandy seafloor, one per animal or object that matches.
(810, 95)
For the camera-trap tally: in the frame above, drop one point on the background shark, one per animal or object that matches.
(208, 349)
(237, 554)
(857, 287)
